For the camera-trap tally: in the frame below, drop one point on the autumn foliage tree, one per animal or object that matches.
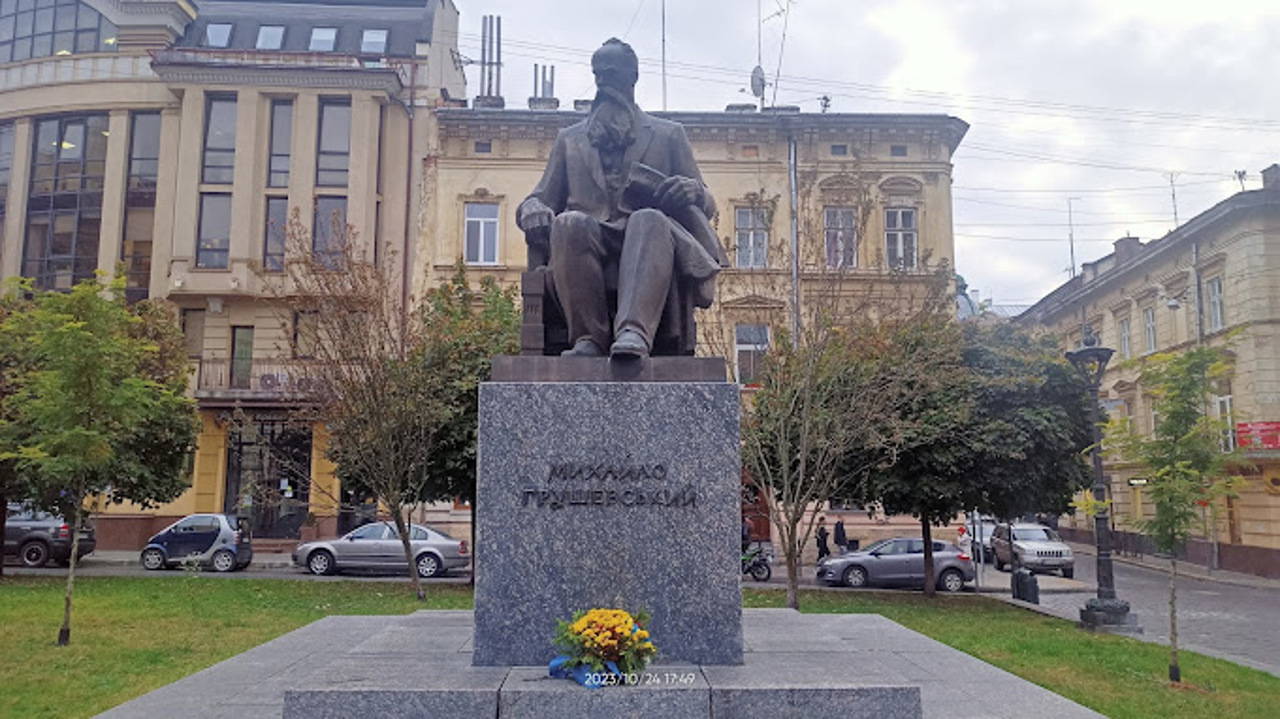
(396, 385)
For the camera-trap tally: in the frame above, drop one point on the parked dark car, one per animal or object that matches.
(209, 540)
(37, 538)
(377, 546)
(898, 562)
(1034, 547)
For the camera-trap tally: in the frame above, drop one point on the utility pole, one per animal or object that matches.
(1071, 233)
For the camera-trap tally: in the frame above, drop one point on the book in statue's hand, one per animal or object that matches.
(641, 190)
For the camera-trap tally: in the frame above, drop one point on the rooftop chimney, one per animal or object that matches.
(1127, 247)
(1271, 178)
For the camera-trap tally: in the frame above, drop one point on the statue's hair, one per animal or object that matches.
(614, 44)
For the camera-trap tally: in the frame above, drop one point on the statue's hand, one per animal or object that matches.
(534, 215)
(677, 192)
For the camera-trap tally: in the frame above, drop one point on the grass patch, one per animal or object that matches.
(1120, 677)
(130, 635)
(134, 634)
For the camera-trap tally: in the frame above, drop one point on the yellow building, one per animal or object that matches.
(176, 138)
(1217, 274)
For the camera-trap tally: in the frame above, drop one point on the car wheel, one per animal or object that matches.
(428, 565)
(951, 581)
(1069, 573)
(320, 562)
(223, 561)
(34, 554)
(152, 559)
(855, 577)
(761, 572)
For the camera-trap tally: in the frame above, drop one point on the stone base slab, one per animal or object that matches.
(794, 665)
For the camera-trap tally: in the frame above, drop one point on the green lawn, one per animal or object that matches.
(132, 634)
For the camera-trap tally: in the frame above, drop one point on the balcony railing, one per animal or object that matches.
(254, 378)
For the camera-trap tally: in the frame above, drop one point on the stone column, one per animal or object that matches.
(111, 228)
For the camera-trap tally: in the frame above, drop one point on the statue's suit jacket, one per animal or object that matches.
(574, 180)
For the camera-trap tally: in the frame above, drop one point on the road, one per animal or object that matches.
(1237, 623)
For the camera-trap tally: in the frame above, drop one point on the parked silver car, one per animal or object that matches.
(1034, 546)
(898, 561)
(377, 546)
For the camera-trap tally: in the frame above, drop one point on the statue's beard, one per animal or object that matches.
(610, 124)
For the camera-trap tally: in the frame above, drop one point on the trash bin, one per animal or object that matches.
(1025, 586)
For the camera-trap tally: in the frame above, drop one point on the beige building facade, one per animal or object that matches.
(175, 140)
(1215, 280)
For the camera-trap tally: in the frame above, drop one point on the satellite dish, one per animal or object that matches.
(757, 81)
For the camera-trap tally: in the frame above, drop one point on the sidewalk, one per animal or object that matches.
(1185, 569)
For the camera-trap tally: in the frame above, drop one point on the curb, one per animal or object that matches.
(1197, 571)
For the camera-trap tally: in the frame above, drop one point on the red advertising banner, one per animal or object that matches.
(1258, 435)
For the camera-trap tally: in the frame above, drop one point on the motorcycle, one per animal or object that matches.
(756, 563)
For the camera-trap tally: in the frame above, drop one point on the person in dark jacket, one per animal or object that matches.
(842, 539)
(823, 550)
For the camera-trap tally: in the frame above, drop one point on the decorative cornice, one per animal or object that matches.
(356, 79)
(174, 14)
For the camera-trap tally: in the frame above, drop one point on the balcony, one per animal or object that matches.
(257, 381)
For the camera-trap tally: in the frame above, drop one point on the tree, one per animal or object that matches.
(1000, 429)
(12, 486)
(100, 408)
(831, 405)
(1187, 467)
(396, 387)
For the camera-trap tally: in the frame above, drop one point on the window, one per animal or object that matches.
(483, 147)
(42, 29)
(329, 236)
(219, 141)
(270, 37)
(217, 34)
(841, 239)
(1126, 349)
(306, 329)
(897, 151)
(373, 42)
(241, 357)
(900, 237)
(193, 331)
(64, 202)
(481, 239)
(752, 230)
(323, 39)
(140, 204)
(1149, 325)
(750, 343)
(750, 150)
(1217, 316)
(281, 143)
(213, 247)
(1226, 416)
(370, 532)
(839, 150)
(273, 239)
(335, 143)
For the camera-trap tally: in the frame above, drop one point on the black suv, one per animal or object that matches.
(38, 538)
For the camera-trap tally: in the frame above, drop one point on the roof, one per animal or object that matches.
(407, 22)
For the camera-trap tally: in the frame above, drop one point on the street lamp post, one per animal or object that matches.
(1104, 612)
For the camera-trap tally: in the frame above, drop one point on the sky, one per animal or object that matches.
(1087, 117)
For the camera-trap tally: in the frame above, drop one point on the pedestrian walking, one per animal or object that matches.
(964, 541)
(746, 535)
(823, 550)
(842, 539)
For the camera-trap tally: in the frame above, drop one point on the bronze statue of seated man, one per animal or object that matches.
(621, 190)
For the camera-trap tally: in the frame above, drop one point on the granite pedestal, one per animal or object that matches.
(608, 494)
(795, 665)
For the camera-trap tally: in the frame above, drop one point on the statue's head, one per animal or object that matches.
(616, 67)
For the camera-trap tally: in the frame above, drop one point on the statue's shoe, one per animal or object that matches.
(583, 348)
(629, 345)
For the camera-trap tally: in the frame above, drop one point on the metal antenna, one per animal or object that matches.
(1173, 192)
(664, 55)
(1071, 233)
